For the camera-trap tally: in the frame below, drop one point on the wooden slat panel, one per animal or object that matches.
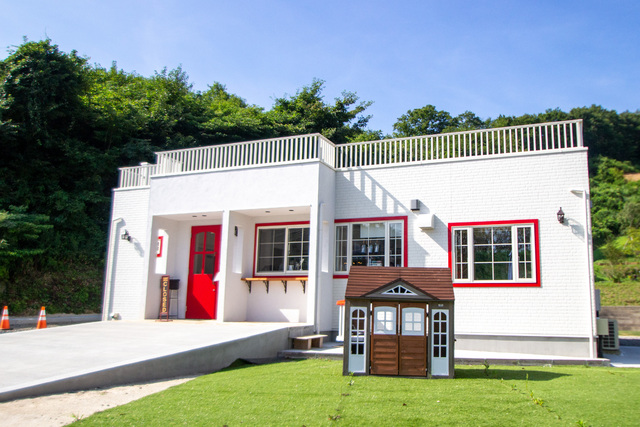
(384, 354)
(413, 355)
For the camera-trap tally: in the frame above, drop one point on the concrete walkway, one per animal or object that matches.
(90, 355)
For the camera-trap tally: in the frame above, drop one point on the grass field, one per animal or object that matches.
(623, 293)
(313, 392)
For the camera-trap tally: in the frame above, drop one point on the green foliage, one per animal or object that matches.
(422, 121)
(66, 126)
(306, 112)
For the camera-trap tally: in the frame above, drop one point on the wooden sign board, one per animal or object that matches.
(164, 298)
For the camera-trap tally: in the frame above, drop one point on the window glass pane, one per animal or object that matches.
(482, 254)
(197, 264)
(524, 235)
(295, 235)
(341, 248)
(271, 249)
(525, 270)
(502, 271)
(209, 261)
(482, 271)
(199, 246)
(210, 241)
(502, 235)
(482, 236)
(298, 249)
(502, 253)
(461, 254)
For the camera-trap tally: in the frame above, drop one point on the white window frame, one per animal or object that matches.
(349, 243)
(285, 270)
(515, 261)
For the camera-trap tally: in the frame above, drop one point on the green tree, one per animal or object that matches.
(307, 112)
(423, 121)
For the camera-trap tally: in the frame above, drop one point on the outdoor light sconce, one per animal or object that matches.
(560, 216)
(126, 236)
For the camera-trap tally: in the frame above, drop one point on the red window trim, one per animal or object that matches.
(255, 246)
(497, 284)
(405, 231)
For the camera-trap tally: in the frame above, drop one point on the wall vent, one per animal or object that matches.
(610, 342)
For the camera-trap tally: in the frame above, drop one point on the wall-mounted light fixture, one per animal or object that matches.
(126, 236)
(560, 216)
(235, 231)
(415, 205)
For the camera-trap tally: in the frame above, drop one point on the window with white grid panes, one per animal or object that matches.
(342, 240)
(374, 244)
(413, 321)
(282, 249)
(500, 253)
(384, 320)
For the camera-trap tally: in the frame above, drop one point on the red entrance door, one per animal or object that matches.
(204, 263)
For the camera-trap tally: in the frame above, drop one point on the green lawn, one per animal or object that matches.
(624, 293)
(313, 392)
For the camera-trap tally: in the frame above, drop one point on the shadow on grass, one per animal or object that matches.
(507, 374)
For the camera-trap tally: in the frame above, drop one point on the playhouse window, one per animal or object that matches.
(377, 244)
(494, 253)
(283, 249)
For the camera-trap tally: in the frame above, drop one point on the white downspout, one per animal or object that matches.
(106, 300)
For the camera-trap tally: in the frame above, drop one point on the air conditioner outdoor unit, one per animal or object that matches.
(610, 342)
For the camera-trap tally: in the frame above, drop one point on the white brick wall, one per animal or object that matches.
(127, 282)
(495, 189)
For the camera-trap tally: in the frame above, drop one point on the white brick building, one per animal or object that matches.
(266, 231)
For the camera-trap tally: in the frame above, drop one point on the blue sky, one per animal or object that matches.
(489, 57)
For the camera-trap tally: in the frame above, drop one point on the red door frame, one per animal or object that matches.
(202, 290)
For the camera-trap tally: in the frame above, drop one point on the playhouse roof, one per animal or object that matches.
(434, 283)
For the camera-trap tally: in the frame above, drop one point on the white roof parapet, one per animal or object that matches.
(315, 147)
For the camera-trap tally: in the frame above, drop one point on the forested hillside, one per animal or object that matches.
(66, 126)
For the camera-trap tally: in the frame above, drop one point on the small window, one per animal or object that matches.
(384, 319)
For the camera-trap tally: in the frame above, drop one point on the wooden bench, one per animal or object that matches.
(308, 341)
(284, 280)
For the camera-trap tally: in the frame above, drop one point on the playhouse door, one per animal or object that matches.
(357, 339)
(384, 339)
(413, 340)
(204, 262)
(441, 346)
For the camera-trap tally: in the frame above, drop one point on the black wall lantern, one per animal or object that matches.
(126, 236)
(560, 216)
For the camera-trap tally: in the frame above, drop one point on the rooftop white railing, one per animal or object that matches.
(477, 143)
(302, 148)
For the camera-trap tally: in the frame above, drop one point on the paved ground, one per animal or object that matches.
(30, 322)
(38, 357)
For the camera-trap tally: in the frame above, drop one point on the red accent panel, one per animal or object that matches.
(255, 239)
(160, 243)
(497, 284)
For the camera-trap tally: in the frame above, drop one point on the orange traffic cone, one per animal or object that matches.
(4, 324)
(42, 320)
